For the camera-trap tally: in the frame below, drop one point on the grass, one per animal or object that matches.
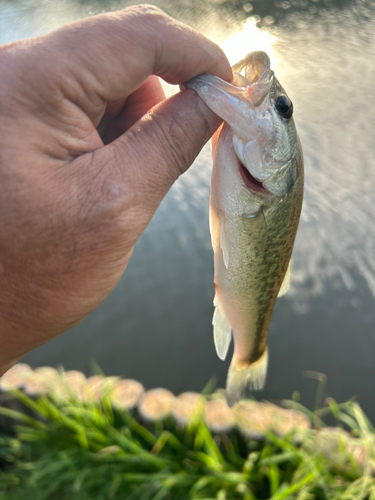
(68, 450)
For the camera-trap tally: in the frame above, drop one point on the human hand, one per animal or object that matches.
(88, 149)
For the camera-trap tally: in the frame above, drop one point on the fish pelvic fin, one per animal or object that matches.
(222, 332)
(243, 376)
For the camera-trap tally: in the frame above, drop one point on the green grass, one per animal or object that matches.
(70, 450)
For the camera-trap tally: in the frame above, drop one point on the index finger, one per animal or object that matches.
(116, 52)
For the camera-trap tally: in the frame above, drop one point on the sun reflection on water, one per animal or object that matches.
(238, 45)
(250, 38)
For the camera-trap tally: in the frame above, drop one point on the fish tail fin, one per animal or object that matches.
(245, 376)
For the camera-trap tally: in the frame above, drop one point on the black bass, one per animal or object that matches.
(255, 205)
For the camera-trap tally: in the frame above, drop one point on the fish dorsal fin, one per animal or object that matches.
(286, 283)
(222, 332)
(223, 241)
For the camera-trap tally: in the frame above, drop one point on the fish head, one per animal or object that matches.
(259, 113)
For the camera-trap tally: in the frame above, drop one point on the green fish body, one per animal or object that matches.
(255, 205)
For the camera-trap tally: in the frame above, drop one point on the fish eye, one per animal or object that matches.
(284, 106)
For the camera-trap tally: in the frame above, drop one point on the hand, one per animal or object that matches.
(88, 149)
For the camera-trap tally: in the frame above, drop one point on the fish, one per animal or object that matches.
(255, 205)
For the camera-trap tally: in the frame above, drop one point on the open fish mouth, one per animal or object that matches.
(251, 182)
(258, 76)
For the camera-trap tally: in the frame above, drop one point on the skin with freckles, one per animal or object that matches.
(88, 149)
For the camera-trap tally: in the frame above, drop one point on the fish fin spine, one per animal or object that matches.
(245, 376)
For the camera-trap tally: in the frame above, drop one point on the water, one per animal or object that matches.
(156, 325)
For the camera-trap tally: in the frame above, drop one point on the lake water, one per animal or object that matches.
(156, 325)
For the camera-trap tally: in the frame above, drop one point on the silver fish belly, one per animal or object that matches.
(255, 205)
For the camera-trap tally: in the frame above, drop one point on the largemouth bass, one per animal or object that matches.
(255, 205)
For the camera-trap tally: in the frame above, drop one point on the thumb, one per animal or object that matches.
(145, 161)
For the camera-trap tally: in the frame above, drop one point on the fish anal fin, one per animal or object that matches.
(224, 241)
(286, 282)
(222, 332)
(242, 376)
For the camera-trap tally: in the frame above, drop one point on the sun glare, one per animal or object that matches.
(250, 38)
(238, 45)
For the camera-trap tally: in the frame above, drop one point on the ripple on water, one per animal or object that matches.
(326, 64)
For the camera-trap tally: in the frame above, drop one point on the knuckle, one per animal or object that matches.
(152, 11)
(148, 13)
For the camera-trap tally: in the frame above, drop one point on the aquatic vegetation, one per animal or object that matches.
(74, 448)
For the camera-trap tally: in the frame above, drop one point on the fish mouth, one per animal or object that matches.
(251, 182)
(257, 78)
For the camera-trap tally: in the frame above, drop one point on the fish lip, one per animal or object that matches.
(251, 183)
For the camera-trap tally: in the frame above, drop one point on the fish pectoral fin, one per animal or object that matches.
(224, 241)
(286, 283)
(222, 332)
